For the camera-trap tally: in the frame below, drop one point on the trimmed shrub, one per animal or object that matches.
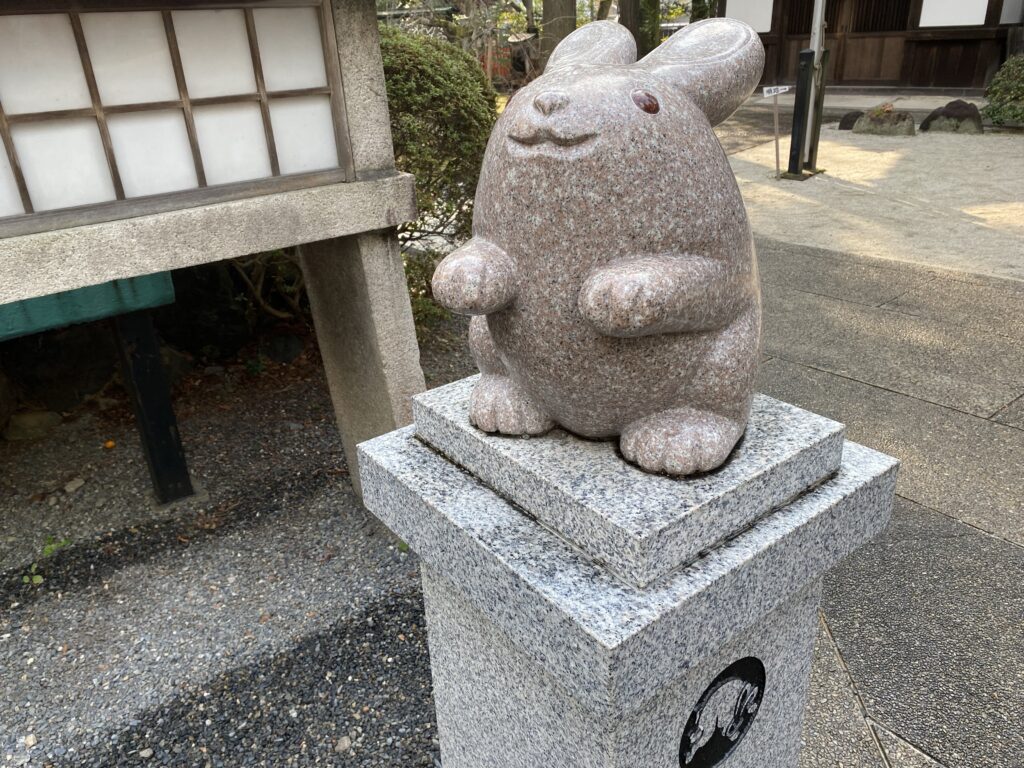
(442, 110)
(1006, 93)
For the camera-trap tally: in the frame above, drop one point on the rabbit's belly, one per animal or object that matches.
(595, 385)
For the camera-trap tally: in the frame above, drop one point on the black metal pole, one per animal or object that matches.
(146, 382)
(800, 127)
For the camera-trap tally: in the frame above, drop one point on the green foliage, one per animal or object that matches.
(254, 366)
(442, 111)
(52, 545)
(33, 576)
(1006, 93)
(419, 269)
(674, 10)
(703, 9)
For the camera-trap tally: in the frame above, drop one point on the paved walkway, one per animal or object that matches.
(922, 645)
(894, 302)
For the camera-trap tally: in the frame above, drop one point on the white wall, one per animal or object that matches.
(757, 13)
(953, 13)
(1013, 12)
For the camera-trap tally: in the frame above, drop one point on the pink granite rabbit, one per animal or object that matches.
(611, 273)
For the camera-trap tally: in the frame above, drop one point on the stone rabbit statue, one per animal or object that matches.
(611, 274)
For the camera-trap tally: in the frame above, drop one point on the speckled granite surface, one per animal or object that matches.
(611, 645)
(645, 322)
(640, 526)
(499, 708)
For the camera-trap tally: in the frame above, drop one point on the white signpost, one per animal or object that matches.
(774, 91)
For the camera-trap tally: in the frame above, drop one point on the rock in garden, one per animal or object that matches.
(957, 116)
(283, 347)
(849, 120)
(31, 425)
(885, 121)
(177, 365)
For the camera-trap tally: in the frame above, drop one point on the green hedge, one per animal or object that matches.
(1006, 93)
(442, 110)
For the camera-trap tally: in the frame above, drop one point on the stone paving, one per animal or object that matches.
(921, 654)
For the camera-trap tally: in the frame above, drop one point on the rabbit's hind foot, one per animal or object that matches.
(498, 404)
(681, 441)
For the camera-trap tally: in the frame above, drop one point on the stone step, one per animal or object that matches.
(640, 526)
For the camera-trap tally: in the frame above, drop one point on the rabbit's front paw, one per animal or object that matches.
(476, 279)
(498, 404)
(682, 441)
(633, 298)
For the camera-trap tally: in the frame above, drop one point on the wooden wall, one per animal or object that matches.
(880, 43)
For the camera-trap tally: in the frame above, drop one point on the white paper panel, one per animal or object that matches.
(130, 57)
(63, 163)
(153, 153)
(40, 69)
(232, 142)
(756, 13)
(215, 52)
(10, 200)
(291, 50)
(953, 13)
(304, 133)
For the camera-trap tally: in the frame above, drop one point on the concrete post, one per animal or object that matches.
(356, 284)
(365, 330)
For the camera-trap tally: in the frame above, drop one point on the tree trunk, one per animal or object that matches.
(703, 9)
(643, 19)
(603, 9)
(558, 21)
(531, 23)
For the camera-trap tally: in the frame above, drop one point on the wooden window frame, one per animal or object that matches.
(122, 207)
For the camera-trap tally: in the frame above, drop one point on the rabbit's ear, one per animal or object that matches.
(596, 43)
(717, 62)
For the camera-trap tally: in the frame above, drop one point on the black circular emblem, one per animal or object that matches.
(723, 715)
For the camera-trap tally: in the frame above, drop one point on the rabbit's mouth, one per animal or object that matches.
(546, 136)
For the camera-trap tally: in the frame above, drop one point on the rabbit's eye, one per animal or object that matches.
(646, 101)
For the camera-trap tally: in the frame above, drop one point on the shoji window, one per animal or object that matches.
(112, 110)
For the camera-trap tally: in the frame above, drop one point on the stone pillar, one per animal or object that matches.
(356, 284)
(364, 327)
(583, 613)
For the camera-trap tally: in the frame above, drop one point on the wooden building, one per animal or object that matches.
(904, 43)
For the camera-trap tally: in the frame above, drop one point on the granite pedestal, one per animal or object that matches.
(584, 613)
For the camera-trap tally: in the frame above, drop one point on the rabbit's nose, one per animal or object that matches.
(548, 101)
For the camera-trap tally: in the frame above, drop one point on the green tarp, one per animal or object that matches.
(83, 304)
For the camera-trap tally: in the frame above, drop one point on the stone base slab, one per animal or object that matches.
(612, 645)
(640, 526)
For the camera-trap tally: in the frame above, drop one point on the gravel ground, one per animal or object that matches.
(268, 621)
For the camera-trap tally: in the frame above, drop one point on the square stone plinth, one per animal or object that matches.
(543, 659)
(499, 708)
(640, 526)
